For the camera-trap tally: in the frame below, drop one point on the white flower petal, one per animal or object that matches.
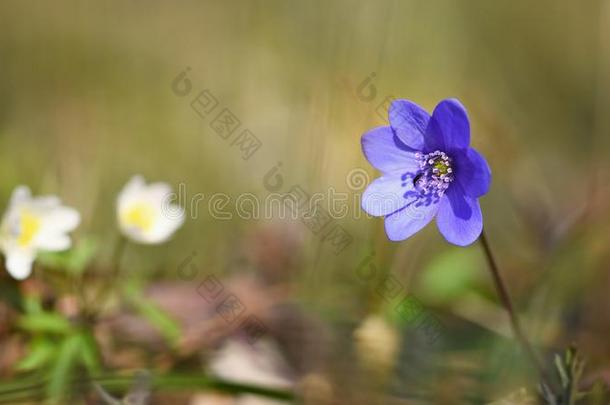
(134, 233)
(158, 192)
(20, 195)
(62, 219)
(166, 225)
(19, 263)
(132, 189)
(53, 241)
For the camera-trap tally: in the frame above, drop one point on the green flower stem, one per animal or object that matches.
(104, 293)
(507, 303)
(117, 258)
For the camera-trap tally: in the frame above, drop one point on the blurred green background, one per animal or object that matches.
(86, 101)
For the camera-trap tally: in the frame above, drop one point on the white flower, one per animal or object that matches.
(144, 212)
(32, 224)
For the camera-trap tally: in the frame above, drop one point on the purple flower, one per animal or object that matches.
(428, 170)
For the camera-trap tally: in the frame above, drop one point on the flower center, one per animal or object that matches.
(140, 216)
(435, 173)
(29, 224)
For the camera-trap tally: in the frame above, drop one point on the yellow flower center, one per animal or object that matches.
(140, 215)
(442, 166)
(29, 225)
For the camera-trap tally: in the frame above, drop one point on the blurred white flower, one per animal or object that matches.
(32, 224)
(377, 344)
(144, 212)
